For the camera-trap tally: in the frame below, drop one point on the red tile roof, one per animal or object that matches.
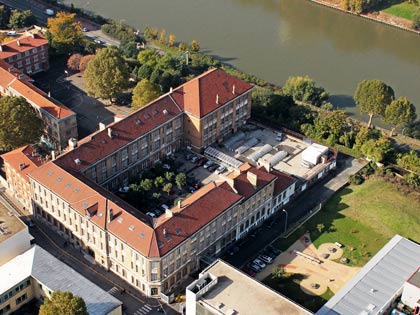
(26, 43)
(99, 144)
(22, 157)
(10, 80)
(243, 186)
(198, 96)
(196, 211)
(283, 181)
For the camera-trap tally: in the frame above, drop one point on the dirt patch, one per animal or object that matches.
(330, 251)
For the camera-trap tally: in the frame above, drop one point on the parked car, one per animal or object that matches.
(208, 164)
(274, 250)
(254, 267)
(11, 33)
(194, 158)
(85, 29)
(249, 272)
(220, 169)
(98, 41)
(259, 263)
(191, 189)
(49, 12)
(269, 253)
(158, 212)
(279, 136)
(213, 167)
(166, 166)
(151, 214)
(188, 156)
(202, 161)
(124, 189)
(165, 207)
(306, 164)
(265, 258)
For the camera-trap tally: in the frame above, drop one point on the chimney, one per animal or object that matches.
(72, 143)
(1, 47)
(233, 89)
(179, 204)
(170, 89)
(49, 94)
(110, 133)
(21, 166)
(53, 155)
(164, 231)
(102, 126)
(110, 215)
(252, 178)
(21, 76)
(168, 213)
(118, 118)
(18, 43)
(217, 98)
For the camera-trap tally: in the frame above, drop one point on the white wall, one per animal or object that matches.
(15, 245)
(410, 295)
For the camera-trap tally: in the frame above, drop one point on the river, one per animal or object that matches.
(275, 39)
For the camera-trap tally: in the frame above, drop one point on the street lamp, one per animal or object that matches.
(285, 223)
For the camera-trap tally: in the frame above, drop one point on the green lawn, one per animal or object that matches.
(363, 218)
(403, 9)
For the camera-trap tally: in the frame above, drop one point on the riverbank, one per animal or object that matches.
(379, 17)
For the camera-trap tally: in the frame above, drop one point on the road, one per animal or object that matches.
(299, 208)
(134, 302)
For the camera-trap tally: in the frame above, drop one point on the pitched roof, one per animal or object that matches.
(27, 42)
(282, 182)
(196, 211)
(242, 184)
(10, 79)
(98, 145)
(22, 161)
(198, 96)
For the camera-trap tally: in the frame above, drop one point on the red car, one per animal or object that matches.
(202, 161)
(248, 272)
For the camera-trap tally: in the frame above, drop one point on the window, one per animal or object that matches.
(5, 309)
(134, 151)
(27, 61)
(154, 277)
(114, 164)
(21, 298)
(154, 291)
(124, 158)
(103, 170)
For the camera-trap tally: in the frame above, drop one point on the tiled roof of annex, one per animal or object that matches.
(10, 80)
(23, 160)
(22, 44)
(283, 181)
(98, 145)
(242, 184)
(198, 96)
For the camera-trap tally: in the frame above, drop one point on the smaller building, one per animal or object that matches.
(14, 236)
(28, 53)
(36, 274)
(411, 291)
(379, 283)
(224, 290)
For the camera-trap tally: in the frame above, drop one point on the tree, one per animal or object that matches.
(4, 17)
(154, 33)
(410, 161)
(162, 36)
(74, 62)
(146, 184)
(144, 92)
(304, 89)
(172, 39)
(399, 112)
(65, 33)
(159, 181)
(129, 49)
(194, 46)
(63, 303)
(181, 180)
(182, 46)
(372, 97)
(330, 125)
(416, 19)
(169, 176)
(320, 227)
(167, 188)
(106, 75)
(148, 56)
(377, 150)
(20, 19)
(84, 62)
(19, 123)
(156, 195)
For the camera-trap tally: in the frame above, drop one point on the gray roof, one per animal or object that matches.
(57, 276)
(378, 282)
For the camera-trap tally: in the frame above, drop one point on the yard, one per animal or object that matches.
(362, 218)
(404, 10)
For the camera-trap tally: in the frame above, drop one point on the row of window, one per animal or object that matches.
(14, 291)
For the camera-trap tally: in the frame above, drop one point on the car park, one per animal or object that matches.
(259, 263)
(208, 164)
(220, 169)
(266, 259)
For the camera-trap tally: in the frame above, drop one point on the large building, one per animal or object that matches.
(19, 59)
(74, 192)
(223, 290)
(36, 274)
(28, 53)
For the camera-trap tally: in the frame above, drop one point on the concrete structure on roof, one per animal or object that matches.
(36, 274)
(411, 292)
(60, 122)
(223, 290)
(14, 236)
(27, 53)
(379, 283)
(73, 193)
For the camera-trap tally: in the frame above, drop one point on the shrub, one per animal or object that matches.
(356, 179)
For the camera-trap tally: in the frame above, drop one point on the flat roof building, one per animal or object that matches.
(378, 284)
(224, 290)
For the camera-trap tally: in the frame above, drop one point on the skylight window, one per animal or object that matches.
(142, 234)
(50, 172)
(160, 244)
(76, 190)
(131, 228)
(147, 116)
(84, 204)
(59, 179)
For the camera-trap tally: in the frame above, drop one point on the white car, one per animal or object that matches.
(124, 189)
(11, 33)
(266, 259)
(151, 214)
(208, 164)
(259, 263)
(220, 170)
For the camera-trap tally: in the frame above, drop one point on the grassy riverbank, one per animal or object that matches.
(404, 10)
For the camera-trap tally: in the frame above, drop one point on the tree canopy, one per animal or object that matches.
(106, 75)
(65, 33)
(377, 150)
(20, 19)
(304, 89)
(19, 123)
(399, 112)
(144, 92)
(4, 17)
(63, 303)
(372, 97)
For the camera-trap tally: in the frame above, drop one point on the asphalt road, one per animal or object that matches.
(298, 208)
